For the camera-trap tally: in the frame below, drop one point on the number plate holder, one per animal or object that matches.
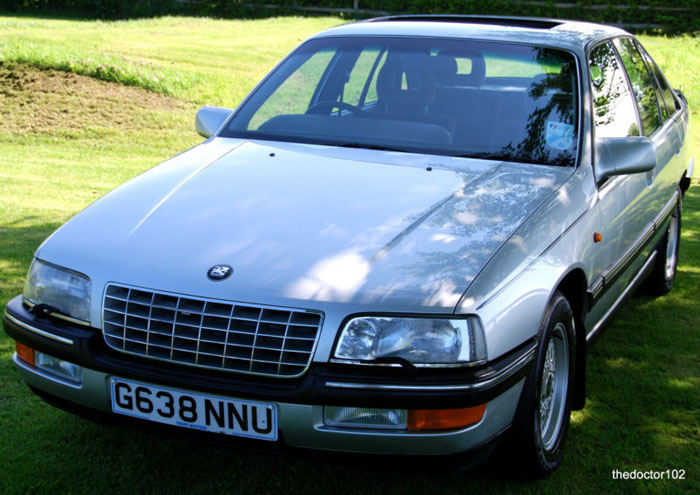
(194, 410)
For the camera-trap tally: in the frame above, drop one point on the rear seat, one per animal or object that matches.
(460, 96)
(489, 119)
(480, 114)
(512, 130)
(475, 112)
(410, 104)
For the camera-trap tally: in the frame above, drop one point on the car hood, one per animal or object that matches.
(303, 222)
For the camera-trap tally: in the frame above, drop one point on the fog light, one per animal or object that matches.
(64, 369)
(25, 353)
(444, 419)
(365, 417)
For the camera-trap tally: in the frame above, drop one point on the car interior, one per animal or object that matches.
(444, 101)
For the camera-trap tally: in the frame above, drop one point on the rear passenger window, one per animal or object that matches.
(613, 104)
(669, 98)
(642, 85)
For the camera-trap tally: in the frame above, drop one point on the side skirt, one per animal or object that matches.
(593, 335)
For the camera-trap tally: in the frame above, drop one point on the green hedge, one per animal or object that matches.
(582, 9)
(670, 20)
(104, 9)
(456, 5)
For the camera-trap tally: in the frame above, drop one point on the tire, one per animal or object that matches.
(541, 422)
(661, 280)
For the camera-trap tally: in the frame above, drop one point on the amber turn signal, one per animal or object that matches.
(25, 353)
(444, 419)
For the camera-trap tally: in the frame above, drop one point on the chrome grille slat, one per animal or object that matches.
(228, 332)
(205, 315)
(150, 312)
(284, 340)
(255, 338)
(209, 333)
(172, 337)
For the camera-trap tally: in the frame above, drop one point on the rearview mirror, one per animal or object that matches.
(621, 156)
(210, 119)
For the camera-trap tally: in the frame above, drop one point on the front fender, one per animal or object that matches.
(511, 293)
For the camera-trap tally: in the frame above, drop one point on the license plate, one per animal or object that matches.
(203, 412)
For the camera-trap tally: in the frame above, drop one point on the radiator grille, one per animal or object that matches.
(209, 333)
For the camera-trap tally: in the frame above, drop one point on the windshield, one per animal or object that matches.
(450, 97)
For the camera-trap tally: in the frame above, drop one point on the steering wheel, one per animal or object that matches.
(330, 105)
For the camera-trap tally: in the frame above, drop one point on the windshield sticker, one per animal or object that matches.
(559, 136)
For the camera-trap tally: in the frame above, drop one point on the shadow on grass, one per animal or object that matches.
(23, 234)
(18, 241)
(643, 381)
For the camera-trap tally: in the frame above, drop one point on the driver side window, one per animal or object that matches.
(614, 109)
(642, 85)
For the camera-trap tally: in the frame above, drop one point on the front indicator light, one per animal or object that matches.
(25, 353)
(402, 419)
(365, 417)
(58, 367)
(444, 419)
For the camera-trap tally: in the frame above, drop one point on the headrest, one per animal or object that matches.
(478, 70)
(445, 69)
(420, 80)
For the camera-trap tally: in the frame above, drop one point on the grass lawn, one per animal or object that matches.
(66, 139)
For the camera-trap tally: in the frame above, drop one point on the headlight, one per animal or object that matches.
(64, 290)
(421, 341)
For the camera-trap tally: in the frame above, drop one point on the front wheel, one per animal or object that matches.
(542, 418)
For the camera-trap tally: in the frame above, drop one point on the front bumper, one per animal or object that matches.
(300, 402)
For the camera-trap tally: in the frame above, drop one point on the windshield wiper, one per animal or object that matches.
(367, 146)
(485, 156)
(497, 156)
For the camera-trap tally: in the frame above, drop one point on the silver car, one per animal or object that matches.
(403, 241)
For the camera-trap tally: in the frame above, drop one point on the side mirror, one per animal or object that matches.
(621, 156)
(681, 96)
(210, 119)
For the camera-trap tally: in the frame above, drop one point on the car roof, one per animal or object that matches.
(572, 35)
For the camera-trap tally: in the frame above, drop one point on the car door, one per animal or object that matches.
(647, 193)
(629, 100)
(615, 115)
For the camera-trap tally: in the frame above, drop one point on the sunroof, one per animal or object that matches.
(474, 19)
